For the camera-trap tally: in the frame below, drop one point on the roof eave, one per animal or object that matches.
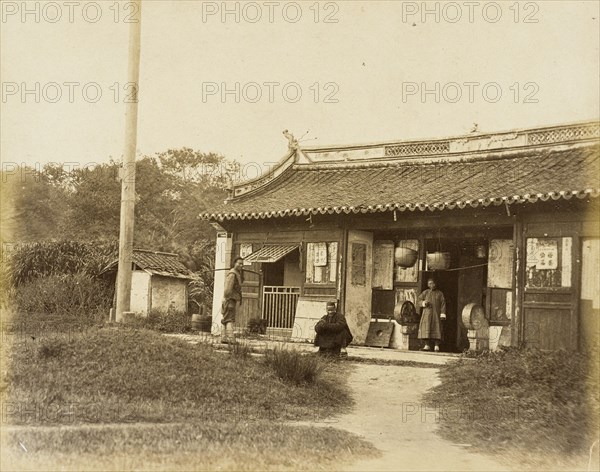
(461, 204)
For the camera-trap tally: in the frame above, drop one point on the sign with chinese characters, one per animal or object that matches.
(567, 244)
(320, 255)
(383, 265)
(500, 263)
(542, 254)
(245, 251)
(509, 300)
(547, 255)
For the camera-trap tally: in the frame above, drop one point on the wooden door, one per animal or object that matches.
(251, 289)
(359, 273)
(549, 296)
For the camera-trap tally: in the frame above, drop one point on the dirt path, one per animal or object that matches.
(389, 414)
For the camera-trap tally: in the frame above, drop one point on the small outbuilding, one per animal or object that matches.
(159, 281)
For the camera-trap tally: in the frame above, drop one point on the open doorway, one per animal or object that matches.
(447, 283)
(282, 280)
(462, 283)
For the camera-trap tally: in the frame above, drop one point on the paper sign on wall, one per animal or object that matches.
(547, 255)
(567, 244)
(245, 251)
(542, 254)
(320, 254)
(500, 263)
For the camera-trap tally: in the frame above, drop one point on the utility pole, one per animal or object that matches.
(128, 169)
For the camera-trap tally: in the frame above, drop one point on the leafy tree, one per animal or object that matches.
(172, 189)
(83, 204)
(32, 207)
(94, 202)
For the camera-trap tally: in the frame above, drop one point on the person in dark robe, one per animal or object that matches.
(232, 299)
(333, 333)
(433, 311)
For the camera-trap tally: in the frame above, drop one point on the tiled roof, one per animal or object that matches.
(498, 177)
(159, 263)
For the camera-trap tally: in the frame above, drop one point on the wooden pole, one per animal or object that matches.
(128, 170)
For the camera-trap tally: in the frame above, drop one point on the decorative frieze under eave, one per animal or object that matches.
(475, 142)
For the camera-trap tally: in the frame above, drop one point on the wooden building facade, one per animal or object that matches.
(515, 213)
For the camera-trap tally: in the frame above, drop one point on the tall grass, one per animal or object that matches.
(240, 350)
(535, 400)
(162, 321)
(160, 378)
(292, 366)
(67, 295)
(26, 262)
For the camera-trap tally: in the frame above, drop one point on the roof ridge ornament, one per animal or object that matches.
(293, 144)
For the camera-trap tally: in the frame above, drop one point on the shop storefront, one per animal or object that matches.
(507, 223)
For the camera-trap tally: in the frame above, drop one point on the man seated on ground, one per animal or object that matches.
(333, 334)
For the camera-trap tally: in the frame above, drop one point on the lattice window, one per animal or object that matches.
(565, 134)
(418, 149)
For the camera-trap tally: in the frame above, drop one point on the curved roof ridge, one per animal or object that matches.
(474, 146)
(478, 134)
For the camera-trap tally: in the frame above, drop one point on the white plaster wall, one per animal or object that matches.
(140, 282)
(168, 291)
(222, 261)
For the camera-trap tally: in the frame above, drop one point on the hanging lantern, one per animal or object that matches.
(480, 251)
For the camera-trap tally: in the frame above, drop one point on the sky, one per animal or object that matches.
(230, 77)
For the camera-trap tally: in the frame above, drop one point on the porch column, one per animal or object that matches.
(222, 263)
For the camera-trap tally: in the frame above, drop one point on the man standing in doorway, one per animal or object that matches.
(232, 298)
(433, 310)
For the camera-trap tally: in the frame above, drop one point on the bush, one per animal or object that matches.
(27, 262)
(293, 366)
(165, 322)
(240, 350)
(257, 326)
(76, 295)
(547, 400)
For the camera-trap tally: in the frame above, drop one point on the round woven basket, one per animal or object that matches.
(438, 260)
(405, 257)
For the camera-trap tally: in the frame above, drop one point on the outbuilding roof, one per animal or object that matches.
(444, 180)
(165, 264)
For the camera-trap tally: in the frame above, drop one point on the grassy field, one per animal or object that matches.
(119, 398)
(534, 410)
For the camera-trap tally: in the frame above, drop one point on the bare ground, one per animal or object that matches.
(389, 413)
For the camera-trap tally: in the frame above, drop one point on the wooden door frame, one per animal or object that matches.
(347, 267)
(539, 229)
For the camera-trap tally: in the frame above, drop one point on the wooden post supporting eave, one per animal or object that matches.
(128, 170)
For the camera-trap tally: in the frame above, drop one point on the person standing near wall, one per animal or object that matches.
(232, 299)
(433, 311)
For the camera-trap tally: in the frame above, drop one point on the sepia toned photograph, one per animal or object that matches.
(300, 235)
